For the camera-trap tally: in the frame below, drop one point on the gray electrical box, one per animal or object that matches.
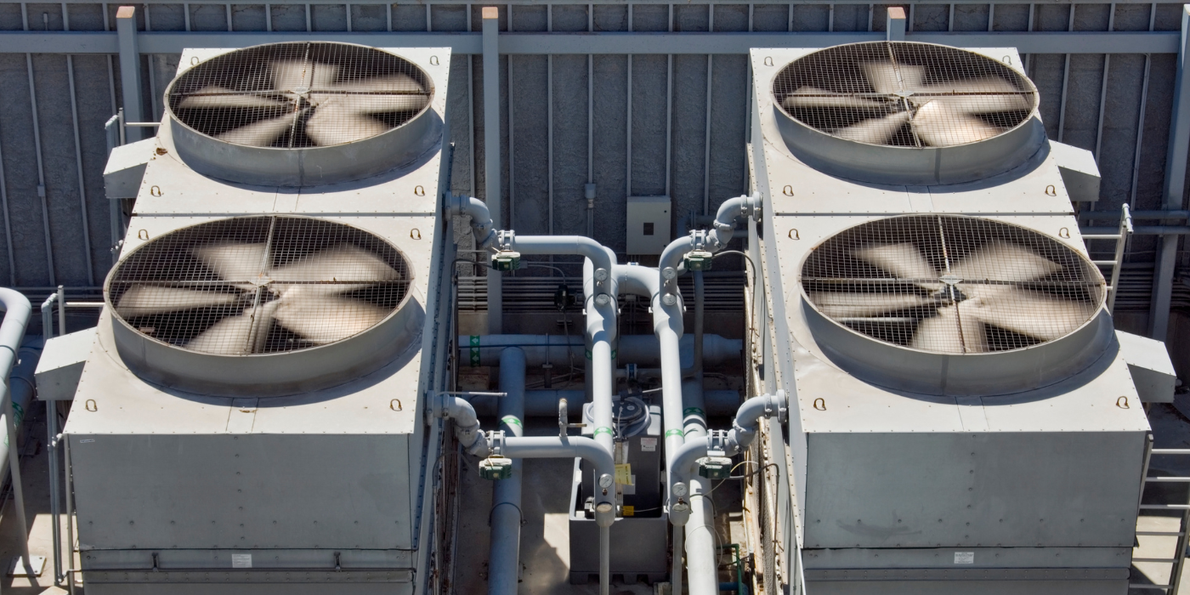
(649, 229)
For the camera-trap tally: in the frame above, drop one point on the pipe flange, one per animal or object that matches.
(496, 443)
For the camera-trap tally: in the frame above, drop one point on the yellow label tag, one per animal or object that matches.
(624, 474)
(629, 510)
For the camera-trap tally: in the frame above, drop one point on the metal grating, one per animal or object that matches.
(904, 94)
(952, 284)
(259, 285)
(292, 95)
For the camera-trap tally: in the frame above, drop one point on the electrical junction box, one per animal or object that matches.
(649, 230)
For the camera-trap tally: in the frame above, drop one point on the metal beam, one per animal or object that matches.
(491, 152)
(1079, 42)
(130, 85)
(1175, 186)
(626, 2)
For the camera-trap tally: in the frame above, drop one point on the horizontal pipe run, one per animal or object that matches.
(1115, 215)
(1144, 230)
(544, 403)
(621, 43)
(642, 350)
(556, 447)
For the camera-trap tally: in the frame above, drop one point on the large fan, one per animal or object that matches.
(259, 285)
(952, 284)
(293, 95)
(904, 94)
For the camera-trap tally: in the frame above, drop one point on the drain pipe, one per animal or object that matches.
(702, 566)
(12, 331)
(504, 554)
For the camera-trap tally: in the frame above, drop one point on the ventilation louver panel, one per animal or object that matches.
(239, 289)
(952, 284)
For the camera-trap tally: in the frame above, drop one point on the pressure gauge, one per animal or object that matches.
(605, 481)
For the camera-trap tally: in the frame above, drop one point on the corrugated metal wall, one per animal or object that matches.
(56, 216)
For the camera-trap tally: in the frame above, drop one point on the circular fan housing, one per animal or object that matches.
(948, 304)
(301, 113)
(261, 306)
(907, 113)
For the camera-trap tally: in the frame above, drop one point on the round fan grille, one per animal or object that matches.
(952, 284)
(301, 94)
(904, 94)
(258, 285)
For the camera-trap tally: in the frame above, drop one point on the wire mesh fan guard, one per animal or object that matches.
(299, 94)
(904, 94)
(259, 285)
(951, 284)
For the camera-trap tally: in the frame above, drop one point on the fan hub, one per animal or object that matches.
(951, 280)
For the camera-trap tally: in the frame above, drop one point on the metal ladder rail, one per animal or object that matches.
(1178, 561)
(1121, 239)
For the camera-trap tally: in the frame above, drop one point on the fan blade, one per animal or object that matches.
(143, 300)
(843, 305)
(905, 262)
(289, 75)
(261, 133)
(889, 78)
(342, 267)
(812, 97)
(234, 263)
(367, 103)
(874, 131)
(398, 83)
(220, 97)
(333, 124)
(940, 333)
(939, 124)
(1028, 312)
(1001, 261)
(321, 318)
(978, 96)
(226, 337)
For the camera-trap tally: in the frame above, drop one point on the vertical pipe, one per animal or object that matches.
(1065, 81)
(470, 105)
(69, 514)
(185, 15)
(12, 264)
(1111, 25)
(1029, 57)
(41, 191)
(511, 138)
(1175, 183)
(227, 10)
(309, 20)
(669, 108)
(130, 83)
(491, 152)
(78, 158)
(504, 554)
(991, 17)
(268, 17)
(51, 431)
(549, 124)
(702, 567)
(628, 118)
(12, 331)
(1140, 121)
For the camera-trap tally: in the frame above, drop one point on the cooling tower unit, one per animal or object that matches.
(964, 422)
(251, 418)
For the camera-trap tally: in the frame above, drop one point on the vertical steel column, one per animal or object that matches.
(706, 157)
(669, 109)
(130, 84)
(470, 103)
(491, 151)
(1065, 81)
(895, 23)
(549, 123)
(41, 193)
(628, 117)
(1111, 25)
(511, 137)
(1175, 183)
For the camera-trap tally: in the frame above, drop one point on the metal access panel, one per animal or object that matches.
(990, 489)
(248, 491)
(345, 583)
(649, 230)
(986, 586)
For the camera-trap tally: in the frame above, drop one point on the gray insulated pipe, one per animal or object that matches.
(504, 560)
(12, 331)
